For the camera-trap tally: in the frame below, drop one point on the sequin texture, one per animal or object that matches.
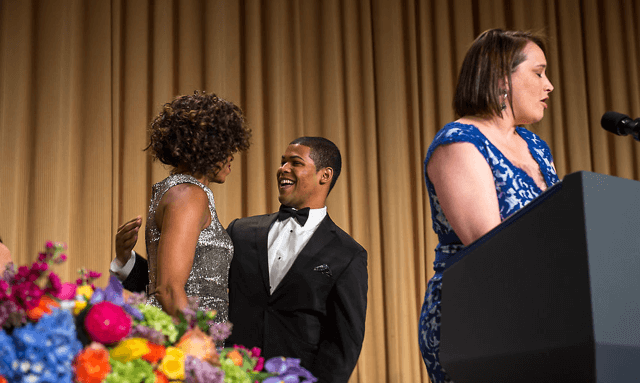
(209, 274)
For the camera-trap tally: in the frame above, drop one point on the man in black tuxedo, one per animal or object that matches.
(298, 286)
(297, 282)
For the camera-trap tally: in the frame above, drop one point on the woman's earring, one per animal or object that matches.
(504, 102)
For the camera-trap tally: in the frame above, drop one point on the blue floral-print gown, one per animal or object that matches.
(514, 188)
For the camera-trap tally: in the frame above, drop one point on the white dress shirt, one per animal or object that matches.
(122, 271)
(286, 239)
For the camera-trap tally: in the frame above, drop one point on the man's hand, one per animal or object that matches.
(126, 239)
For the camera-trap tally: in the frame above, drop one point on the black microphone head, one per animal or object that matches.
(613, 122)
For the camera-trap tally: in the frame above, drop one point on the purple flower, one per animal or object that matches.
(197, 371)
(11, 315)
(113, 294)
(288, 370)
(9, 273)
(219, 331)
(193, 303)
(135, 299)
(153, 336)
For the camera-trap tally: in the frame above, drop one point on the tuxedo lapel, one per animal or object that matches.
(322, 236)
(262, 239)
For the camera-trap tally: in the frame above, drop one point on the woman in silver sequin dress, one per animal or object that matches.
(189, 251)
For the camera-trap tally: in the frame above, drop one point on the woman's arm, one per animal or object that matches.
(182, 214)
(465, 188)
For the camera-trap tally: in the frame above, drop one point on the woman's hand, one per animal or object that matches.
(466, 190)
(181, 215)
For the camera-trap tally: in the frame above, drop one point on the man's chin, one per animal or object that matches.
(286, 201)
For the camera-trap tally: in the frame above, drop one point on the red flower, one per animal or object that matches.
(160, 377)
(44, 307)
(155, 354)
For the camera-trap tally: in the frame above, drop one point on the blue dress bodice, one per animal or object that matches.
(514, 187)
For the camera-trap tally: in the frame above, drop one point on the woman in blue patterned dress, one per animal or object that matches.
(484, 166)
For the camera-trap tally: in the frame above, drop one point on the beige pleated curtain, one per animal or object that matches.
(81, 80)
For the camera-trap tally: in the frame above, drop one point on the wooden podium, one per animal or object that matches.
(553, 293)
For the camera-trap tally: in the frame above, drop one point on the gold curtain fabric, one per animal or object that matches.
(81, 80)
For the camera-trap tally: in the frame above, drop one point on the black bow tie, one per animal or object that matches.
(300, 215)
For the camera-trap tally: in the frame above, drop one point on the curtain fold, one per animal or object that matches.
(81, 80)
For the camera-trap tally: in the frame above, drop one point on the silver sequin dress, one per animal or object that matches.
(209, 274)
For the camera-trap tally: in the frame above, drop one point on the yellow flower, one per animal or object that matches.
(172, 365)
(80, 305)
(129, 349)
(85, 291)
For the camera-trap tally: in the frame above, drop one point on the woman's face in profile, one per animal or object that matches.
(530, 86)
(225, 169)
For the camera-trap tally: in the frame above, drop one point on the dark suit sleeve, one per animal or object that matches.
(230, 228)
(342, 340)
(138, 279)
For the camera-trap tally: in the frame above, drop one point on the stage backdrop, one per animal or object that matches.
(81, 80)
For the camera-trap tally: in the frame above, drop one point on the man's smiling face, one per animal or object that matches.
(299, 183)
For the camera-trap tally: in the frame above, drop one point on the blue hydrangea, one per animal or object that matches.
(7, 356)
(45, 350)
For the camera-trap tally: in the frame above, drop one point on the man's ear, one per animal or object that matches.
(326, 175)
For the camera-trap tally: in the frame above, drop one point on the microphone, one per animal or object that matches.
(620, 124)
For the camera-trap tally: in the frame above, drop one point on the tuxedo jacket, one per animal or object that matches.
(316, 313)
(138, 279)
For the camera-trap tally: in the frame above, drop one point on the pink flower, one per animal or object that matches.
(107, 323)
(260, 365)
(67, 291)
(254, 352)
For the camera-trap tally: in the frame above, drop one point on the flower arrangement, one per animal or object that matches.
(64, 332)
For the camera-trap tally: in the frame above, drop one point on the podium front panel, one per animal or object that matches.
(535, 299)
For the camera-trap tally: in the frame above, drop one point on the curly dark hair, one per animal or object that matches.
(197, 132)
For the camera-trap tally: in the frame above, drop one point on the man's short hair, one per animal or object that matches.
(324, 153)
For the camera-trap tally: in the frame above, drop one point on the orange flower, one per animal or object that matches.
(160, 377)
(44, 307)
(155, 354)
(3, 379)
(235, 357)
(196, 343)
(92, 364)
